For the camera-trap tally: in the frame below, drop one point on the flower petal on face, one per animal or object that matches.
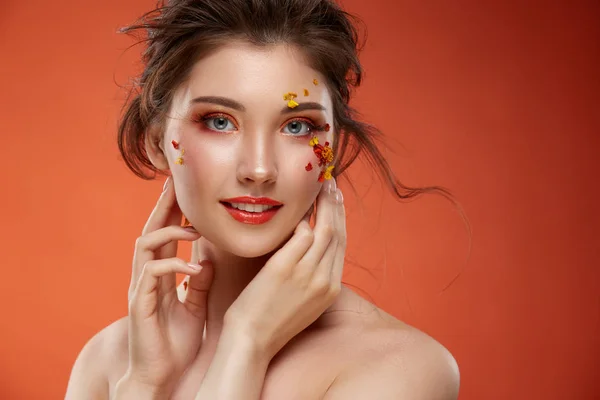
(292, 104)
(290, 96)
(327, 154)
(314, 141)
(315, 82)
(327, 174)
(318, 150)
(308, 167)
(306, 92)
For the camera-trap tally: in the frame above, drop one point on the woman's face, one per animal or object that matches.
(239, 138)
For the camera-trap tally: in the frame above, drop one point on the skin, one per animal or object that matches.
(256, 154)
(256, 158)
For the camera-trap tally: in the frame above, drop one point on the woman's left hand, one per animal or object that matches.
(298, 283)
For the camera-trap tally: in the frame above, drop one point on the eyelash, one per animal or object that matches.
(204, 118)
(312, 127)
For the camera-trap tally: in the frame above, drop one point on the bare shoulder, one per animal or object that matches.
(397, 361)
(98, 361)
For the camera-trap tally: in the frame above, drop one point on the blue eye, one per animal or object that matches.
(219, 123)
(298, 127)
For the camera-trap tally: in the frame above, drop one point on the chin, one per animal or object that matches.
(253, 245)
(248, 243)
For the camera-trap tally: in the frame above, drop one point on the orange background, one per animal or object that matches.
(496, 100)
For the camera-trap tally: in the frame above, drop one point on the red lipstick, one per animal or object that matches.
(251, 217)
(253, 200)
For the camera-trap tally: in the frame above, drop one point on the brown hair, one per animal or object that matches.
(180, 32)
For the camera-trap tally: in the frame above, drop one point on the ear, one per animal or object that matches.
(155, 148)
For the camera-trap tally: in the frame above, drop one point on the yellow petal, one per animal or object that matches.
(327, 173)
(292, 104)
(290, 96)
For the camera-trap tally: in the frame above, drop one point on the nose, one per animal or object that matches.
(257, 162)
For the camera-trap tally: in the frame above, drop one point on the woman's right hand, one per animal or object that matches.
(165, 334)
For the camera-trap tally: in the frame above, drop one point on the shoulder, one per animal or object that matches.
(90, 373)
(399, 362)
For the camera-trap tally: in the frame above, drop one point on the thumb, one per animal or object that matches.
(196, 298)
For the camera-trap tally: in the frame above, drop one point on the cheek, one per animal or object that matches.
(311, 160)
(295, 176)
(205, 168)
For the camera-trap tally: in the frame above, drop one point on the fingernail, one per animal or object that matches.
(339, 198)
(166, 183)
(195, 266)
(331, 186)
(190, 229)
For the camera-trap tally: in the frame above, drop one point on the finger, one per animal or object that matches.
(147, 246)
(159, 218)
(197, 290)
(293, 250)
(322, 274)
(337, 270)
(161, 214)
(324, 226)
(324, 270)
(145, 299)
(165, 213)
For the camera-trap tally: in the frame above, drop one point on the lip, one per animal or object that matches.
(253, 200)
(251, 218)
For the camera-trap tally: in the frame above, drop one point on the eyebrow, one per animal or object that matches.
(310, 105)
(230, 103)
(222, 101)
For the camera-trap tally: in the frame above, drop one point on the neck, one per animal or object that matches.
(231, 276)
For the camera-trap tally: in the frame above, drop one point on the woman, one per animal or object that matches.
(244, 104)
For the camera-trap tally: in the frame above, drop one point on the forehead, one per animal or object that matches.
(255, 75)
